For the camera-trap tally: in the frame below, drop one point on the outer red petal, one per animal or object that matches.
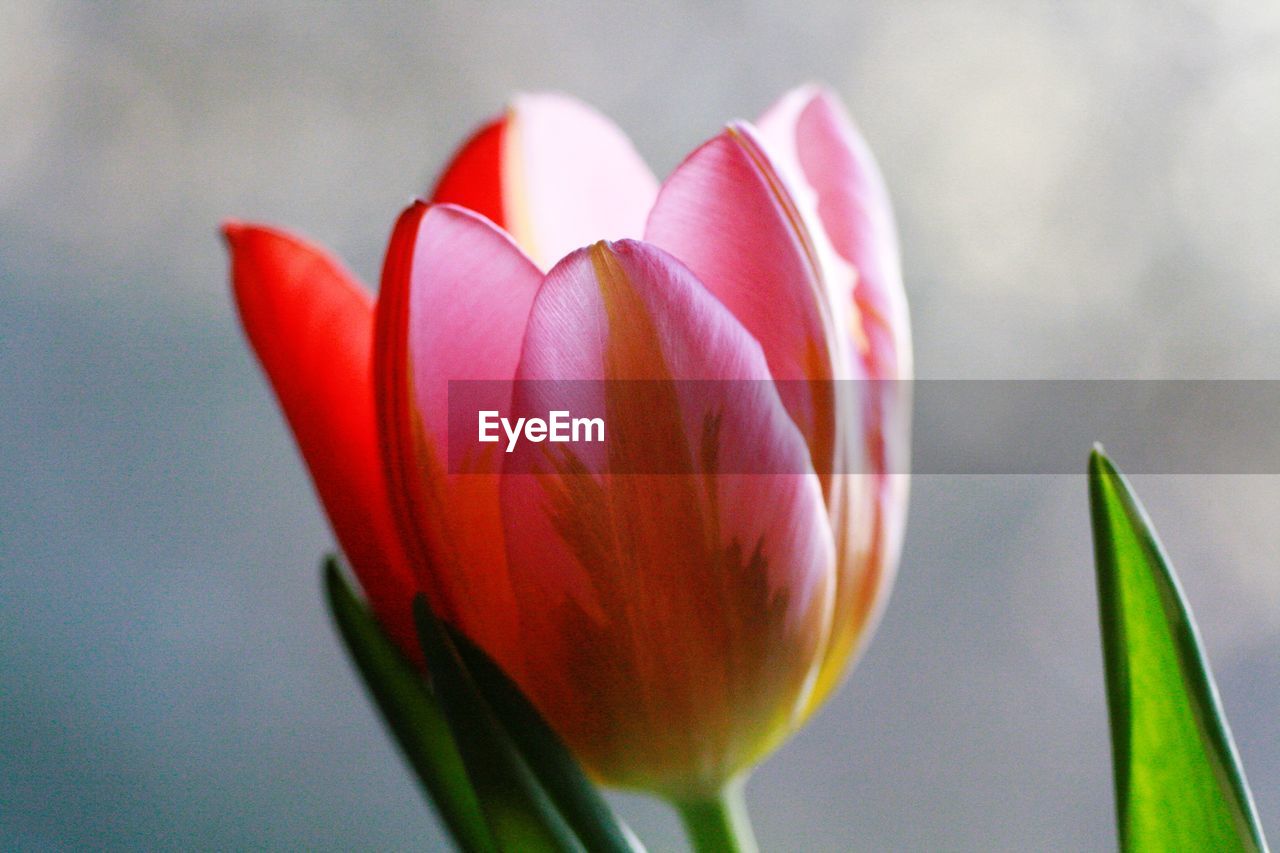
(474, 179)
(311, 325)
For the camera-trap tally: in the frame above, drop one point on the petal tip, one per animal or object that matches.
(810, 91)
(601, 251)
(626, 248)
(554, 96)
(815, 89)
(230, 230)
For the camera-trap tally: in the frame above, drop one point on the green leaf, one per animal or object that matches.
(546, 754)
(1178, 780)
(519, 813)
(411, 712)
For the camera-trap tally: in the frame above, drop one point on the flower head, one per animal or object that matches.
(679, 599)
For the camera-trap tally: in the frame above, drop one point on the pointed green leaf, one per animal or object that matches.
(1178, 780)
(410, 711)
(584, 809)
(519, 813)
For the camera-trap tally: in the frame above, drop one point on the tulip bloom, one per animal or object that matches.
(673, 629)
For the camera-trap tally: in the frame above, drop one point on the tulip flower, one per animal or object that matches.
(673, 629)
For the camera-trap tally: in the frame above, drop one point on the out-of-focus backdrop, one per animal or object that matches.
(1084, 189)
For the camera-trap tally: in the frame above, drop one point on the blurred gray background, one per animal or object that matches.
(1085, 189)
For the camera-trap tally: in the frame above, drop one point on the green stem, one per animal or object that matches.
(719, 824)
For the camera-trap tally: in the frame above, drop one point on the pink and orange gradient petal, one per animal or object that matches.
(671, 620)
(455, 301)
(842, 197)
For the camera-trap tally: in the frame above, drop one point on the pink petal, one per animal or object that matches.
(681, 610)
(455, 300)
(570, 177)
(835, 177)
(726, 214)
(842, 198)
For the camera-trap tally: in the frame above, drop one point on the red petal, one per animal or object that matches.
(311, 325)
(474, 179)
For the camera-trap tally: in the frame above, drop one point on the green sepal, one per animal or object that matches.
(577, 798)
(1179, 785)
(519, 813)
(411, 713)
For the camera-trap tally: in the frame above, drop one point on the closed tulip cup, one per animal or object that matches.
(675, 579)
